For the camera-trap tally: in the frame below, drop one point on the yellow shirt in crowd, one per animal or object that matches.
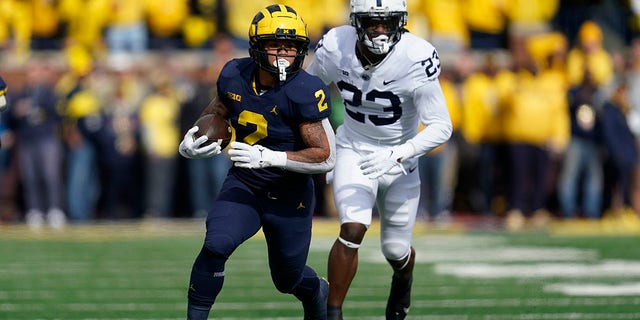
(165, 17)
(485, 15)
(537, 110)
(530, 15)
(159, 118)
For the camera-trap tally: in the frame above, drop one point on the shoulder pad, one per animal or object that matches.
(234, 67)
(332, 39)
(302, 88)
(419, 49)
(423, 57)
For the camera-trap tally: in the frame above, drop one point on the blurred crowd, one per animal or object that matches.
(544, 96)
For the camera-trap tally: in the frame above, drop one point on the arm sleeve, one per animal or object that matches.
(318, 167)
(432, 108)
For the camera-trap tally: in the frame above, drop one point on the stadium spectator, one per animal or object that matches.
(439, 168)
(160, 135)
(35, 123)
(334, 12)
(16, 34)
(527, 18)
(536, 128)
(282, 135)
(622, 154)
(6, 212)
(581, 173)
(85, 21)
(47, 31)
(80, 106)
(203, 23)
(238, 12)
(589, 54)
(484, 91)
(389, 81)
(165, 20)
(126, 28)
(633, 117)
(447, 26)
(487, 24)
(117, 137)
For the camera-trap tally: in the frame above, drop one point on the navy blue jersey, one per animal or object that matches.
(272, 119)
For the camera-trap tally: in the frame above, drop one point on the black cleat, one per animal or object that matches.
(399, 299)
(334, 313)
(317, 308)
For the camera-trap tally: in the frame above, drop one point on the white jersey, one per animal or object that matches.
(381, 103)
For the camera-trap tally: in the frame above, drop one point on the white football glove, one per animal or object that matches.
(385, 161)
(256, 156)
(193, 149)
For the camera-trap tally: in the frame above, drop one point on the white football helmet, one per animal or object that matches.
(391, 13)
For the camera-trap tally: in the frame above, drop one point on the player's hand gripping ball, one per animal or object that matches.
(215, 127)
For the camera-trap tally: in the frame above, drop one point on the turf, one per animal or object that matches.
(140, 271)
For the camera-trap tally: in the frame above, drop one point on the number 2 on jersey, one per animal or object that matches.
(322, 103)
(246, 117)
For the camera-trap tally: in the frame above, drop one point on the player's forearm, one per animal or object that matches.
(215, 107)
(319, 156)
(432, 136)
(434, 114)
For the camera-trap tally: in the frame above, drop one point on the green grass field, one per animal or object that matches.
(140, 271)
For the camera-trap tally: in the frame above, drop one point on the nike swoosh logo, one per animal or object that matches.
(385, 82)
(413, 169)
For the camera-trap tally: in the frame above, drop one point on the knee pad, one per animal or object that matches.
(220, 245)
(290, 281)
(395, 251)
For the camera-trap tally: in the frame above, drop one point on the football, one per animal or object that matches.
(215, 127)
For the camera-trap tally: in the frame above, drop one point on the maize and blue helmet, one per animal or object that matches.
(278, 22)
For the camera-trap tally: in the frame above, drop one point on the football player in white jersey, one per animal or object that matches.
(388, 79)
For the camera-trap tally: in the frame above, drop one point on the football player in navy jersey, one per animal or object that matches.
(281, 135)
(388, 79)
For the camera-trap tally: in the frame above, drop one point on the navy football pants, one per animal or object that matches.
(238, 213)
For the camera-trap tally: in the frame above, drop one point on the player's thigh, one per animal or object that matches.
(286, 223)
(354, 194)
(398, 206)
(233, 219)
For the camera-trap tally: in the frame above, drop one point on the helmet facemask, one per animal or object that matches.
(281, 66)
